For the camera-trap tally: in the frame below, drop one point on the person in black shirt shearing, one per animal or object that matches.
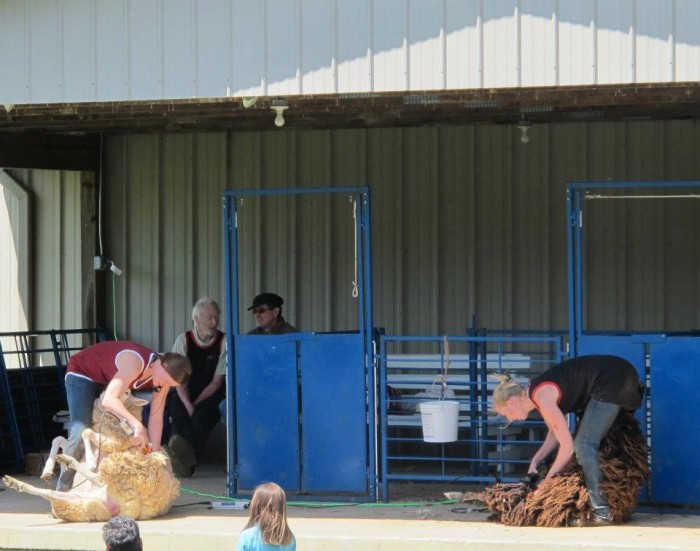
(596, 387)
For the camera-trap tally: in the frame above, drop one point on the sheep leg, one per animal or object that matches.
(71, 504)
(46, 493)
(72, 463)
(58, 443)
(89, 436)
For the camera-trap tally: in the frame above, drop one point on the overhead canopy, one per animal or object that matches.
(364, 110)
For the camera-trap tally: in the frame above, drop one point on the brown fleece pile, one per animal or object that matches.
(563, 499)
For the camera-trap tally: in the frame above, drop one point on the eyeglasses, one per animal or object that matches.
(261, 310)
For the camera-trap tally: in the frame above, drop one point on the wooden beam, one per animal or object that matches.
(549, 104)
(49, 151)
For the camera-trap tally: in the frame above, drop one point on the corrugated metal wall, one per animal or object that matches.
(49, 288)
(82, 50)
(466, 220)
(14, 254)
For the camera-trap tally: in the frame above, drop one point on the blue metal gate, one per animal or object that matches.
(333, 405)
(675, 378)
(300, 403)
(302, 413)
(669, 364)
(266, 405)
(486, 449)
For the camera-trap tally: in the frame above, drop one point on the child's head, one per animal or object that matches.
(268, 510)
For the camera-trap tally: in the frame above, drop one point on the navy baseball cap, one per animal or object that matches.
(268, 299)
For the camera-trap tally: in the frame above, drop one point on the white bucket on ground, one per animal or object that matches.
(439, 420)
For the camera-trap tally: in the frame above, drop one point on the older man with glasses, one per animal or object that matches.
(267, 309)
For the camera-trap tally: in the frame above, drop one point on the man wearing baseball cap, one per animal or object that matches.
(267, 309)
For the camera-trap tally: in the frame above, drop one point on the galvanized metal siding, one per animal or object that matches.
(163, 228)
(15, 294)
(466, 220)
(81, 50)
(57, 264)
(54, 280)
(646, 251)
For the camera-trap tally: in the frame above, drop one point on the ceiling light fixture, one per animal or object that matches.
(279, 106)
(524, 125)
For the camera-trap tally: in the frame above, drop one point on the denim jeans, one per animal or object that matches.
(81, 394)
(146, 415)
(597, 420)
(222, 411)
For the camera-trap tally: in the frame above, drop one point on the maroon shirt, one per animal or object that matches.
(98, 362)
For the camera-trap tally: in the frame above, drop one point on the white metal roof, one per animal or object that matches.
(87, 50)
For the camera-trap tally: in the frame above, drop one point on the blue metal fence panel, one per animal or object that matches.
(675, 378)
(334, 433)
(32, 390)
(410, 368)
(11, 450)
(267, 411)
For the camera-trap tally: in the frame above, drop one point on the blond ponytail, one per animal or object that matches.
(508, 388)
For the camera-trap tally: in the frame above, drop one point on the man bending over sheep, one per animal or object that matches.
(115, 367)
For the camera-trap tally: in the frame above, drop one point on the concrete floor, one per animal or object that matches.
(25, 523)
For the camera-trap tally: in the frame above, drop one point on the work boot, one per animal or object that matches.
(594, 520)
(182, 456)
(601, 521)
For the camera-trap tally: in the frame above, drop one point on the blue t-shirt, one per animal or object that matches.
(251, 540)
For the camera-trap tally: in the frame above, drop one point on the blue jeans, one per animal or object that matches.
(597, 420)
(81, 394)
(222, 411)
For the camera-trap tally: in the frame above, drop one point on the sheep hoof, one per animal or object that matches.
(13, 483)
(63, 459)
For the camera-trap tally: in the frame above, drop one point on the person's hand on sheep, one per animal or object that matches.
(140, 436)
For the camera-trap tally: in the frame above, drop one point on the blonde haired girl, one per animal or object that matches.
(267, 527)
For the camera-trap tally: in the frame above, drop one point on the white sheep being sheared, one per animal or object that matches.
(118, 477)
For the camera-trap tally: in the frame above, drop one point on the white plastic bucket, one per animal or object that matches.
(439, 420)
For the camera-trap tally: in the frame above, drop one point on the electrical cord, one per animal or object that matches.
(466, 510)
(189, 504)
(321, 505)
